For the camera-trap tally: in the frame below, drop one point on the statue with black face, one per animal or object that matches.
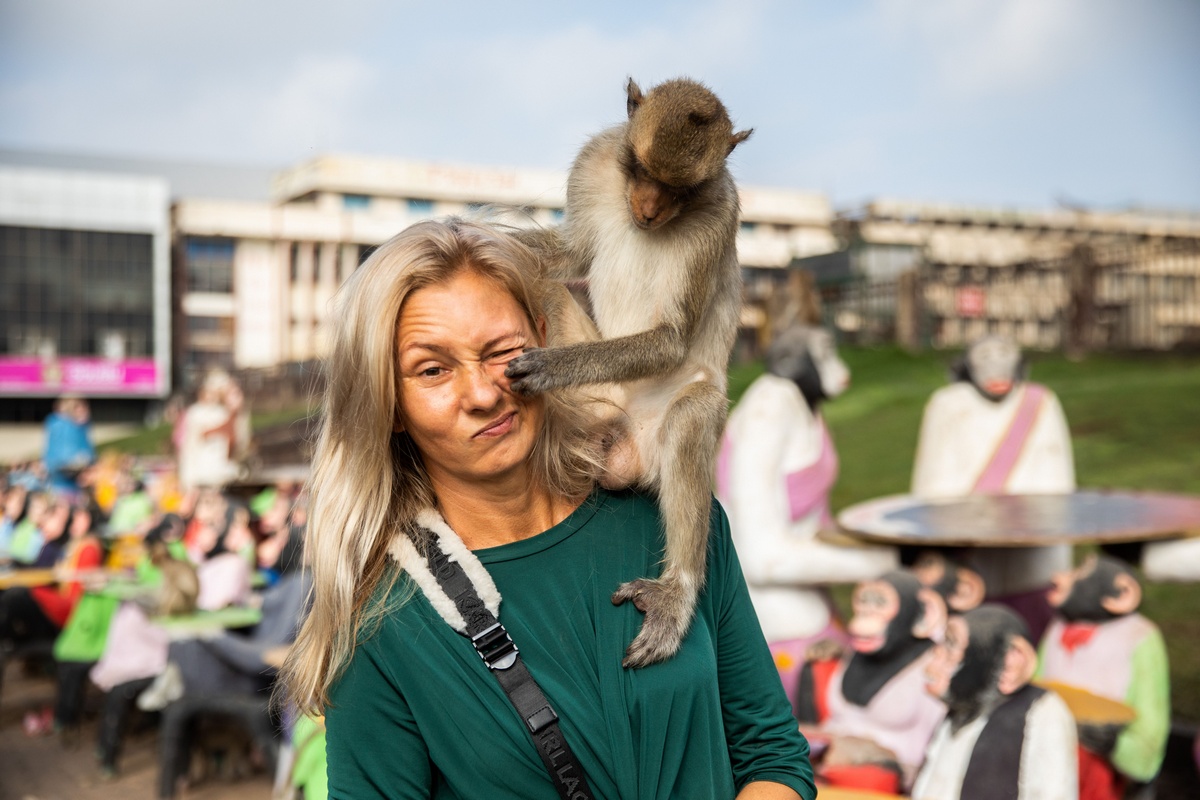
(992, 431)
(775, 470)
(1003, 738)
(1100, 643)
(871, 705)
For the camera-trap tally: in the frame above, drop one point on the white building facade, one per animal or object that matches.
(254, 280)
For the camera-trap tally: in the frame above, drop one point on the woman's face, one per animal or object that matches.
(454, 341)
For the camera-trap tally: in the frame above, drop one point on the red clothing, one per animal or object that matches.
(57, 602)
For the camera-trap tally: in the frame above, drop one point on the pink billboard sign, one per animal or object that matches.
(78, 375)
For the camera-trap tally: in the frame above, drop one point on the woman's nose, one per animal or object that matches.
(483, 389)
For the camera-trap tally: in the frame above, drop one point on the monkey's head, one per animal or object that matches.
(993, 365)
(891, 612)
(984, 658)
(962, 589)
(1099, 589)
(679, 135)
(807, 355)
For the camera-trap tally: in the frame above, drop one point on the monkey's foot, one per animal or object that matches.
(668, 608)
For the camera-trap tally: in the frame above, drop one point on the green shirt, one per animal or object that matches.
(417, 715)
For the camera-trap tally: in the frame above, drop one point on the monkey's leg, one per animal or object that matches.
(688, 438)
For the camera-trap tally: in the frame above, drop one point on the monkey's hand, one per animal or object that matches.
(668, 607)
(537, 370)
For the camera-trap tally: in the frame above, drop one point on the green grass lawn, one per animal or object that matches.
(1135, 424)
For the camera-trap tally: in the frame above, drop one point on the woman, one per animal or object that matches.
(419, 416)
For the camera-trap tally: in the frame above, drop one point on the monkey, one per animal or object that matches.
(994, 431)
(869, 704)
(1099, 642)
(961, 588)
(775, 471)
(1002, 737)
(651, 220)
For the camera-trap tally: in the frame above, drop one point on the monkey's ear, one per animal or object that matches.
(1020, 662)
(633, 97)
(737, 139)
(1128, 597)
(932, 624)
(969, 591)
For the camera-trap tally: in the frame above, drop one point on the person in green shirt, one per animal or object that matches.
(423, 440)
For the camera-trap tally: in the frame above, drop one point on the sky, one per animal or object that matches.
(1026, 103)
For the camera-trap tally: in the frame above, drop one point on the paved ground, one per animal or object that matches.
(47, 768)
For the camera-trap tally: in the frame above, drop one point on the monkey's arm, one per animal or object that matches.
(657, 351)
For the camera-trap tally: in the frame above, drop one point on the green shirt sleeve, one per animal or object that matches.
(1142, 745)
(394, 766)
(765, 743)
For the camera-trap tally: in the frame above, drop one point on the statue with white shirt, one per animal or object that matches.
(776, 468)
(994, 432)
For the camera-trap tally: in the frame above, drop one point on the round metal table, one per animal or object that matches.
(1025, 520)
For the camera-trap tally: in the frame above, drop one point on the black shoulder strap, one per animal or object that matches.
(502, 658)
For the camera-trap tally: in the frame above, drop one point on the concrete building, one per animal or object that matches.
(255, 279)
(85, 295)
(946, 275)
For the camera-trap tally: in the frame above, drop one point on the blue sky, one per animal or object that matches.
(1026, 103)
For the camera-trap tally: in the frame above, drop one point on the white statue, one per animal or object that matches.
(776, 468)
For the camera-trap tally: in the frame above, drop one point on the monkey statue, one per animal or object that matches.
(961, 588)
(1003, 738)
(871, 706)
(993, 432)
(1100, 643)
(651, 219)
(775, 469)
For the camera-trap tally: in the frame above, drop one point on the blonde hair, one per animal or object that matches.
(368, 482)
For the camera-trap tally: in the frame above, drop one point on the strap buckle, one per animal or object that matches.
(495, 647)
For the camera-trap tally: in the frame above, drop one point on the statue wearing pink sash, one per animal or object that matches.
(992, 432)
(774, 474)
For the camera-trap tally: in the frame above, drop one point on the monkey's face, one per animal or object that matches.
(947, 658)
(875, 604)
(994, 365)
(652, 203)
(454, 341)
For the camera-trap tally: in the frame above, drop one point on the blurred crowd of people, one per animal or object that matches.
(99, 551)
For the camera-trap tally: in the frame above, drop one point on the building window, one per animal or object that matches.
(209, 265)
(356, 202)
(556, 214)
(747, 227)
(364, 252)
(419, 207)
(75, 293)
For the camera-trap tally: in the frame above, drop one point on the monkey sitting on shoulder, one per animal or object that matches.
(651, 220)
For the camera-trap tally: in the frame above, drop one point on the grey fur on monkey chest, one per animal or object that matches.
(651, 221)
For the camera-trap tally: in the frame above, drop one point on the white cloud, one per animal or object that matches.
(978, 48)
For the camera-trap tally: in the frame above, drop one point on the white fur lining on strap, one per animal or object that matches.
(414, 564)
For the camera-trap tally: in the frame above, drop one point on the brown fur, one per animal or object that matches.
(651, 220)
(180, 585)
